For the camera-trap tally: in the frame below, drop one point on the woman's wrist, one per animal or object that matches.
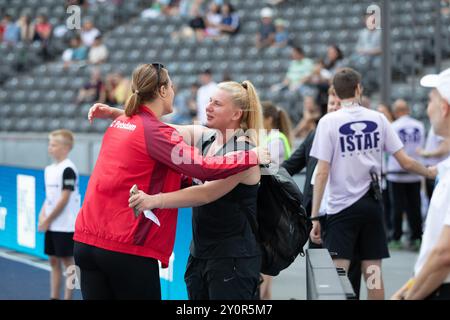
(161, 201)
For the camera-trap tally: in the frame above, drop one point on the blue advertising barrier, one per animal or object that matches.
(22, 193)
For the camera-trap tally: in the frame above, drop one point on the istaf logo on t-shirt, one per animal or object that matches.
(359, 137)
(410, 135)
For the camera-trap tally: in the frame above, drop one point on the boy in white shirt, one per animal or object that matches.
(60, 208)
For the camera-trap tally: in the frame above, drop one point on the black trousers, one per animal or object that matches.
(109, 275)
(429, 185)
(223, 278)
(405, 197)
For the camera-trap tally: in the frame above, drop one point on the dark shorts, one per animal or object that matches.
(441, 293)
(358, 228)
(223, 278)
(59, 244)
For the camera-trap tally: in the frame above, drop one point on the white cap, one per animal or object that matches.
(439, 81)
(266, 13)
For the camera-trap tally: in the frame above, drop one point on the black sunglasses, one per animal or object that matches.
(158, 67)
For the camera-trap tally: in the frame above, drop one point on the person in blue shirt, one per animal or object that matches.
(11, 34)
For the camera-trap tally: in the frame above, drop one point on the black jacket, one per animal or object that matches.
(299, 160)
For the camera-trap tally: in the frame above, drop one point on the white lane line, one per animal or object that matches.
(25, 261)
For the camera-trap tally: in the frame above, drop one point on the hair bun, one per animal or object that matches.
(244, 84)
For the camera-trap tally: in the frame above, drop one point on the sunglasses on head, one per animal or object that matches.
(158, 67)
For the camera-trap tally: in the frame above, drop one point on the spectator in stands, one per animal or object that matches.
(333, 60)
(76, 53)
(43, 28)
(122, 90)
(369, 42)
(43, 32)
(266, 34)
(281, 35)
(27, 29)
(94, 90)
(98, 52)
(369, 38)
(299, 70)
(213, 20)
(196, 26)
(311, 115)
(117, 89)
(11, 35)
(88, 33)
(319, 82)
(230, 20)
(204, 94)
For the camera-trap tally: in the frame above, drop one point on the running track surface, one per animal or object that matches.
(19, 281)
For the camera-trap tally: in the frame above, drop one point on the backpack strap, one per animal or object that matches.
(206, 141)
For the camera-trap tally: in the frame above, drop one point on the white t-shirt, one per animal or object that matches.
(412, 134)
(352, 140)
(438, 216)
(433, 142)
(88, 37)
(97, 54)
(203, 95)
(59, 176)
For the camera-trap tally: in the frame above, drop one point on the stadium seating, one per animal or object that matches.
(43, 96)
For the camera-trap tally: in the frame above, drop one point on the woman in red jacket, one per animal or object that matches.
(117, 252)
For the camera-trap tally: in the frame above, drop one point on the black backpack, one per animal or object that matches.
(281, 227)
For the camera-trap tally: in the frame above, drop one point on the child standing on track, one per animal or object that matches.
(59, 211)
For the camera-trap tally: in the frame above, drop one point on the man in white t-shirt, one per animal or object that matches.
(204, 94)
(404, 188)
(349, 145)
(432, 271)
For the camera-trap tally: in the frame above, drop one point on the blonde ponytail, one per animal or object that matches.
(254, 119)
(284, 124)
